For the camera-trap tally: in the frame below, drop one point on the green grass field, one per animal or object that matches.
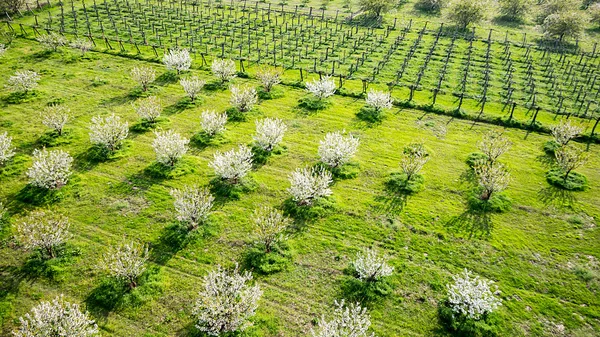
(543, 253)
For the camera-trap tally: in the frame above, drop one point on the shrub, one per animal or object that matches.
(370, 267)
(224, 70)
(269, 133)
(178, 60)
(491, 179)
(336, 149)
(352, 320)
(469, 306)
(213, 122)
(375, 7)
(274, 261)
(431, 5)
(169, 147)
(52, 41)
(574, 181)
(55, 117)
(23, 81)
(44, 231)
(269, 225)
(564, 132)
(6, 148)
(143, 76)
(149, 109)
(232, 165)
(56, 318)
(594, 11)
(322, 88)
(125, 262)
(50, 169)
(308, 185)
(193, 205)
(83, 45)
(108, 132)
(192, 86)
(515, 10)
(226, 302)
(399, 183)
(466, 12)
(493, 145)
(269, 77)
(567, 24)
(243, 99)
(414, 158)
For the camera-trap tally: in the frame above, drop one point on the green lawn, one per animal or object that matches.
(543, 253)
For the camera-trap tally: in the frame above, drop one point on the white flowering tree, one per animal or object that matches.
(3, 49)
(269, 226)
(413, 159)
(564, 132)
(472, 296)
(148, 109)
(346, 320)
(125, 262)
(52, 41)
(493, 145)
(23, 81)
(243, 99)
(322, 88)
(56, 318)
(569, 158)
(226, 303)
(169, 147)
(143, 76)
(224, 70)
(44, 231)
(192, 86)
(6, 148)
(55, 117)
(82, 44)
(178, 60)
(269, 133)
(232, 165)
(50, 169)
(269, 77)
(336, 149)
(108, 132)
(193, 205)
(371, 267)
(212, 122)
(491, 179)
(379, 100)
(308, 185)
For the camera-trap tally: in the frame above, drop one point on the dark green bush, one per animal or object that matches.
(551, 146)
(398, 183)
(462, 325)
(267, 95)
(370, 114)
(354, 289)
(498, 203)
(574, 182)
(476, 158)
(258, 260)
(235, 115)
(313, 103)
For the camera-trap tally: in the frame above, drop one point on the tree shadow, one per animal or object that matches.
(166, 78)
(224, 192)
(474, 223)
(181, 105)
(93, 156)
(176, 237)
(52, 139)
(19, 97)
(303, 215)
(37, 196)
(555, 196)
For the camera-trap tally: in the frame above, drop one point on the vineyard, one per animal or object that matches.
(496, 75)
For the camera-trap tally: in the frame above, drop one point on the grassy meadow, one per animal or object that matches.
(543, 253)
